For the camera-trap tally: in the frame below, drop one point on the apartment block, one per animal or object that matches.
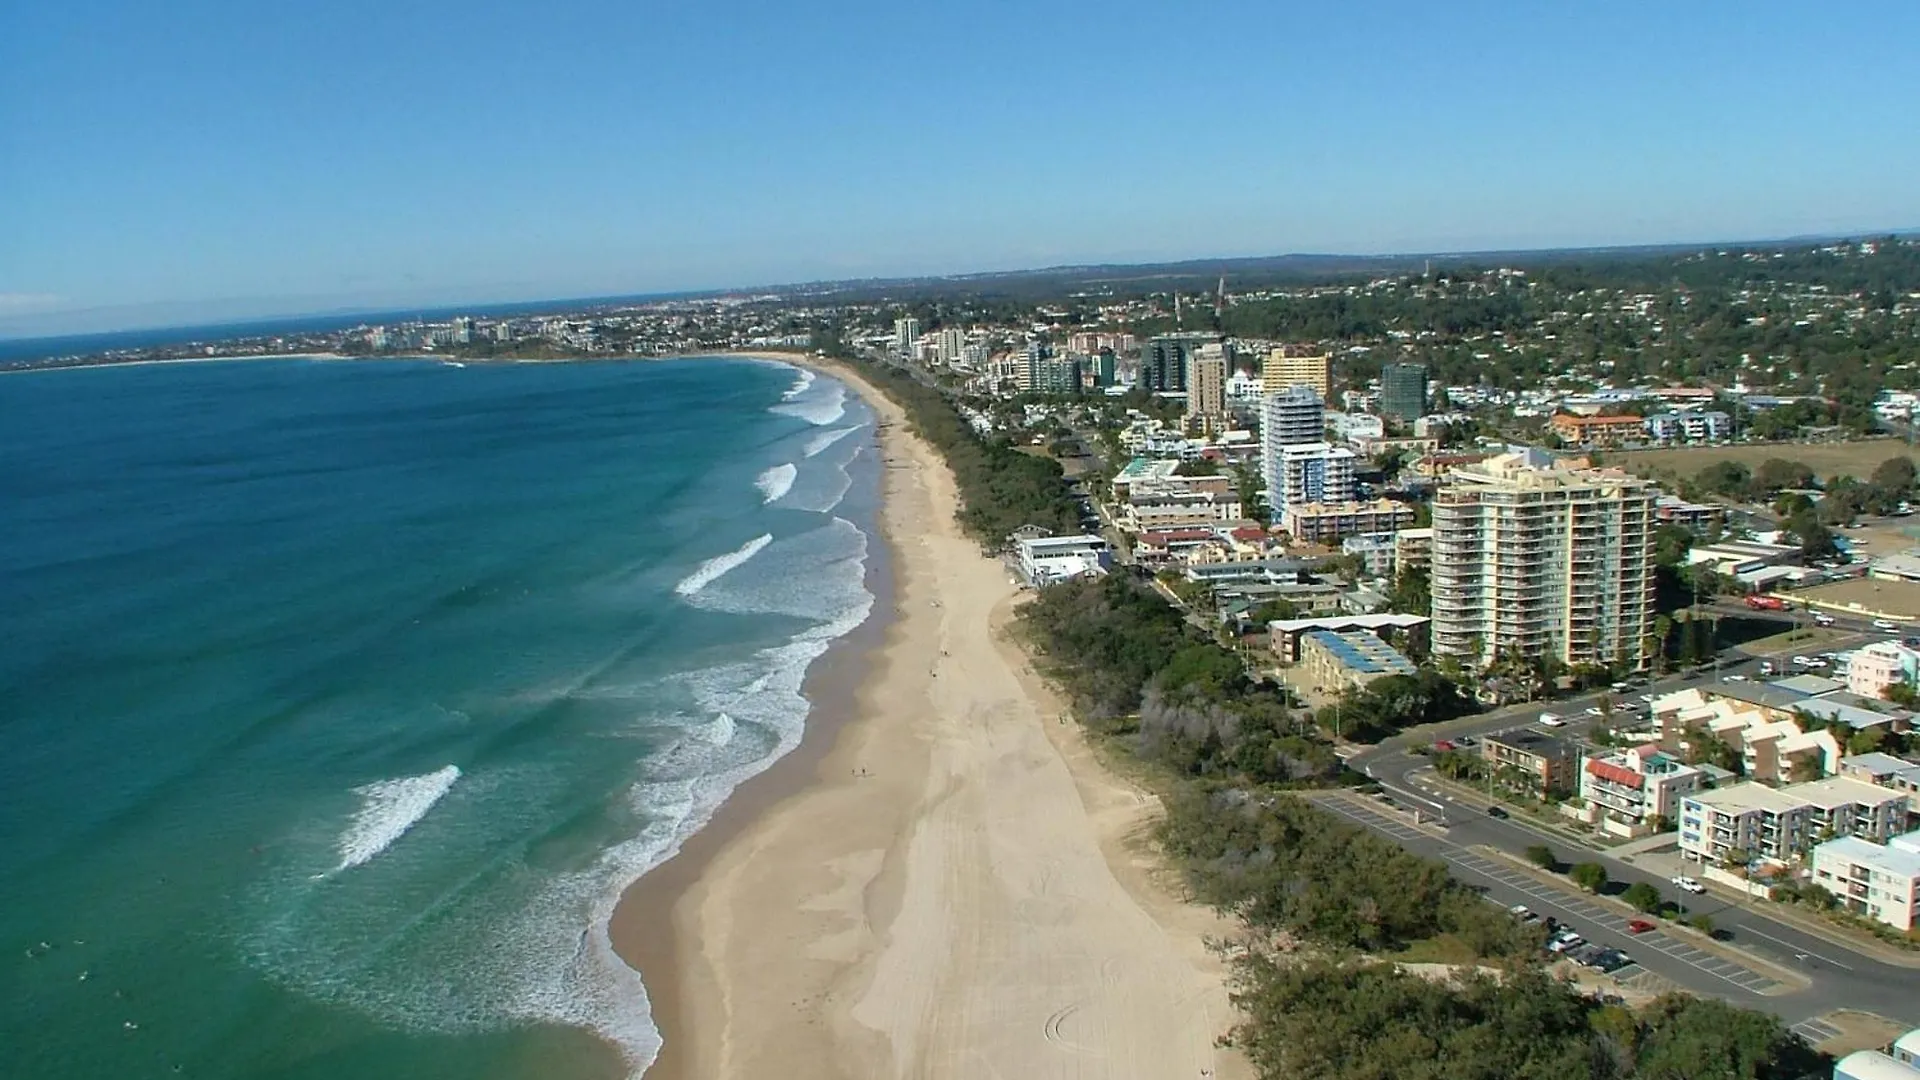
(1533, 556)
(1207, 388)
(1304, 473)
(1600, 431)
(1329, 523)
(1632, 787)
(1780, 823)
(1881, 665)
(1547, 761)
(1880, 881)
(1336, 660)
(1412, 550)
(1689, 426)
(1280, 371)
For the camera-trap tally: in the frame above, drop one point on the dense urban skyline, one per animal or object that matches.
(246, 162)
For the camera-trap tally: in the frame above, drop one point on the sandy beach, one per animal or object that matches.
(944, 883)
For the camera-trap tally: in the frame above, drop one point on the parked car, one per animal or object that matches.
(1496, 812)
(1638, 926)
(1687, 884)
(1595, 710)
(1735, 678)
(1612, 960)
(1821, 618)
(1883, 624)
(1548, 719)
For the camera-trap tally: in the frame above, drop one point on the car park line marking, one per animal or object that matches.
(1797, 950)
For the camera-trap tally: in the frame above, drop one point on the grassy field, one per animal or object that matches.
(1856, 459)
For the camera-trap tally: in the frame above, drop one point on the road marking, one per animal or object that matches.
(1797, 950)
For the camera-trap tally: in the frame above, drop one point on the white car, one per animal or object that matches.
(1595, 710)
(1823, 620)
(1735, 678)
(1802, 661)
(1547, 719)
(1687, 884)
(1882, 624)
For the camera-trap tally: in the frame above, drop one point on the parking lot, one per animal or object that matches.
(1695, 967)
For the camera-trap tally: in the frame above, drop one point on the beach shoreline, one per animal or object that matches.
(942, 880)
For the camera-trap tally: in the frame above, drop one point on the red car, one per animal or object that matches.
(1638, 926)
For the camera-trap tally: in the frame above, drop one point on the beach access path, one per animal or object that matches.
(955, 893)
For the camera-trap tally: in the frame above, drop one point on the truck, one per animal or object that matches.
(1766, 603)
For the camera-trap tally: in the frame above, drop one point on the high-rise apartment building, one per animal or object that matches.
(1308, 474)
(950, 343)
(1403, 391)
(1280, 371)
(906, 334)
(1164, 360)
(1533, 557)
(1294, 415)
(1207, 388)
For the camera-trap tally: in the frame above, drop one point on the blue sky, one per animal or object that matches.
(204, 159)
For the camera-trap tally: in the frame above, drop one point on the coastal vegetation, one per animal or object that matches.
(1331, 1004)
(1001, 488)
(1339, 1018)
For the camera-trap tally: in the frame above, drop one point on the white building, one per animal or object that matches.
(1879, 881)
(1047, 559)
(1308, 474)
(1880, 665)
(1779, 823)
(1294, 415)
(1689, 426)
(906, 334)
(1629, 788)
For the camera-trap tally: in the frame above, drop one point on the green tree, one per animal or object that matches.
(1541, 856)
(1590, 876)
(1643, 896)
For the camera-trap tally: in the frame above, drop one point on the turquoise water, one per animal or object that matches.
(338, 701)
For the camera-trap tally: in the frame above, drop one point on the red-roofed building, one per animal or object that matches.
(1626, 791)
(1166, 545)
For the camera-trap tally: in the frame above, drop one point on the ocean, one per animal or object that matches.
(340, 700)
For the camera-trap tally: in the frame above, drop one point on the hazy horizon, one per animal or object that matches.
(248, 162)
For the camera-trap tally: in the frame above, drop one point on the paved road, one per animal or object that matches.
(1841, 978)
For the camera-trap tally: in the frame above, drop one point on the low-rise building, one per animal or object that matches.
(1047, 559)
(1336, 660)
(1376, 552)
(1325, 523)
(1780, 823)
(1885, 770)
(1631, 788)
(1602, 431)
(1412, 550)
(1286, 635)
(1703, 519)
(1883, 664)
(1689, 425)
(1547, 761)
(1880, 881)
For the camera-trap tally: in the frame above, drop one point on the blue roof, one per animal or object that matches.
(1363, 653)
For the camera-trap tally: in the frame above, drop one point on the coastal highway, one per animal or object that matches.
(1840, 977)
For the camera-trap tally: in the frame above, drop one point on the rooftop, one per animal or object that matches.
(1842, 791)
(1531, 741)
(1878, 764)
(1348, 622)
(1893, 860)
(1362, 652)
(1739, 798)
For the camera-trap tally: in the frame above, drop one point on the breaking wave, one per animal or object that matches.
(388, 809)
(717, 567)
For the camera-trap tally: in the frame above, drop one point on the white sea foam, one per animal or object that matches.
(529, 944)
(821, 403)
(799, 386)
(776, 481)
(388, 809)
(827, 438)
(717, 567)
